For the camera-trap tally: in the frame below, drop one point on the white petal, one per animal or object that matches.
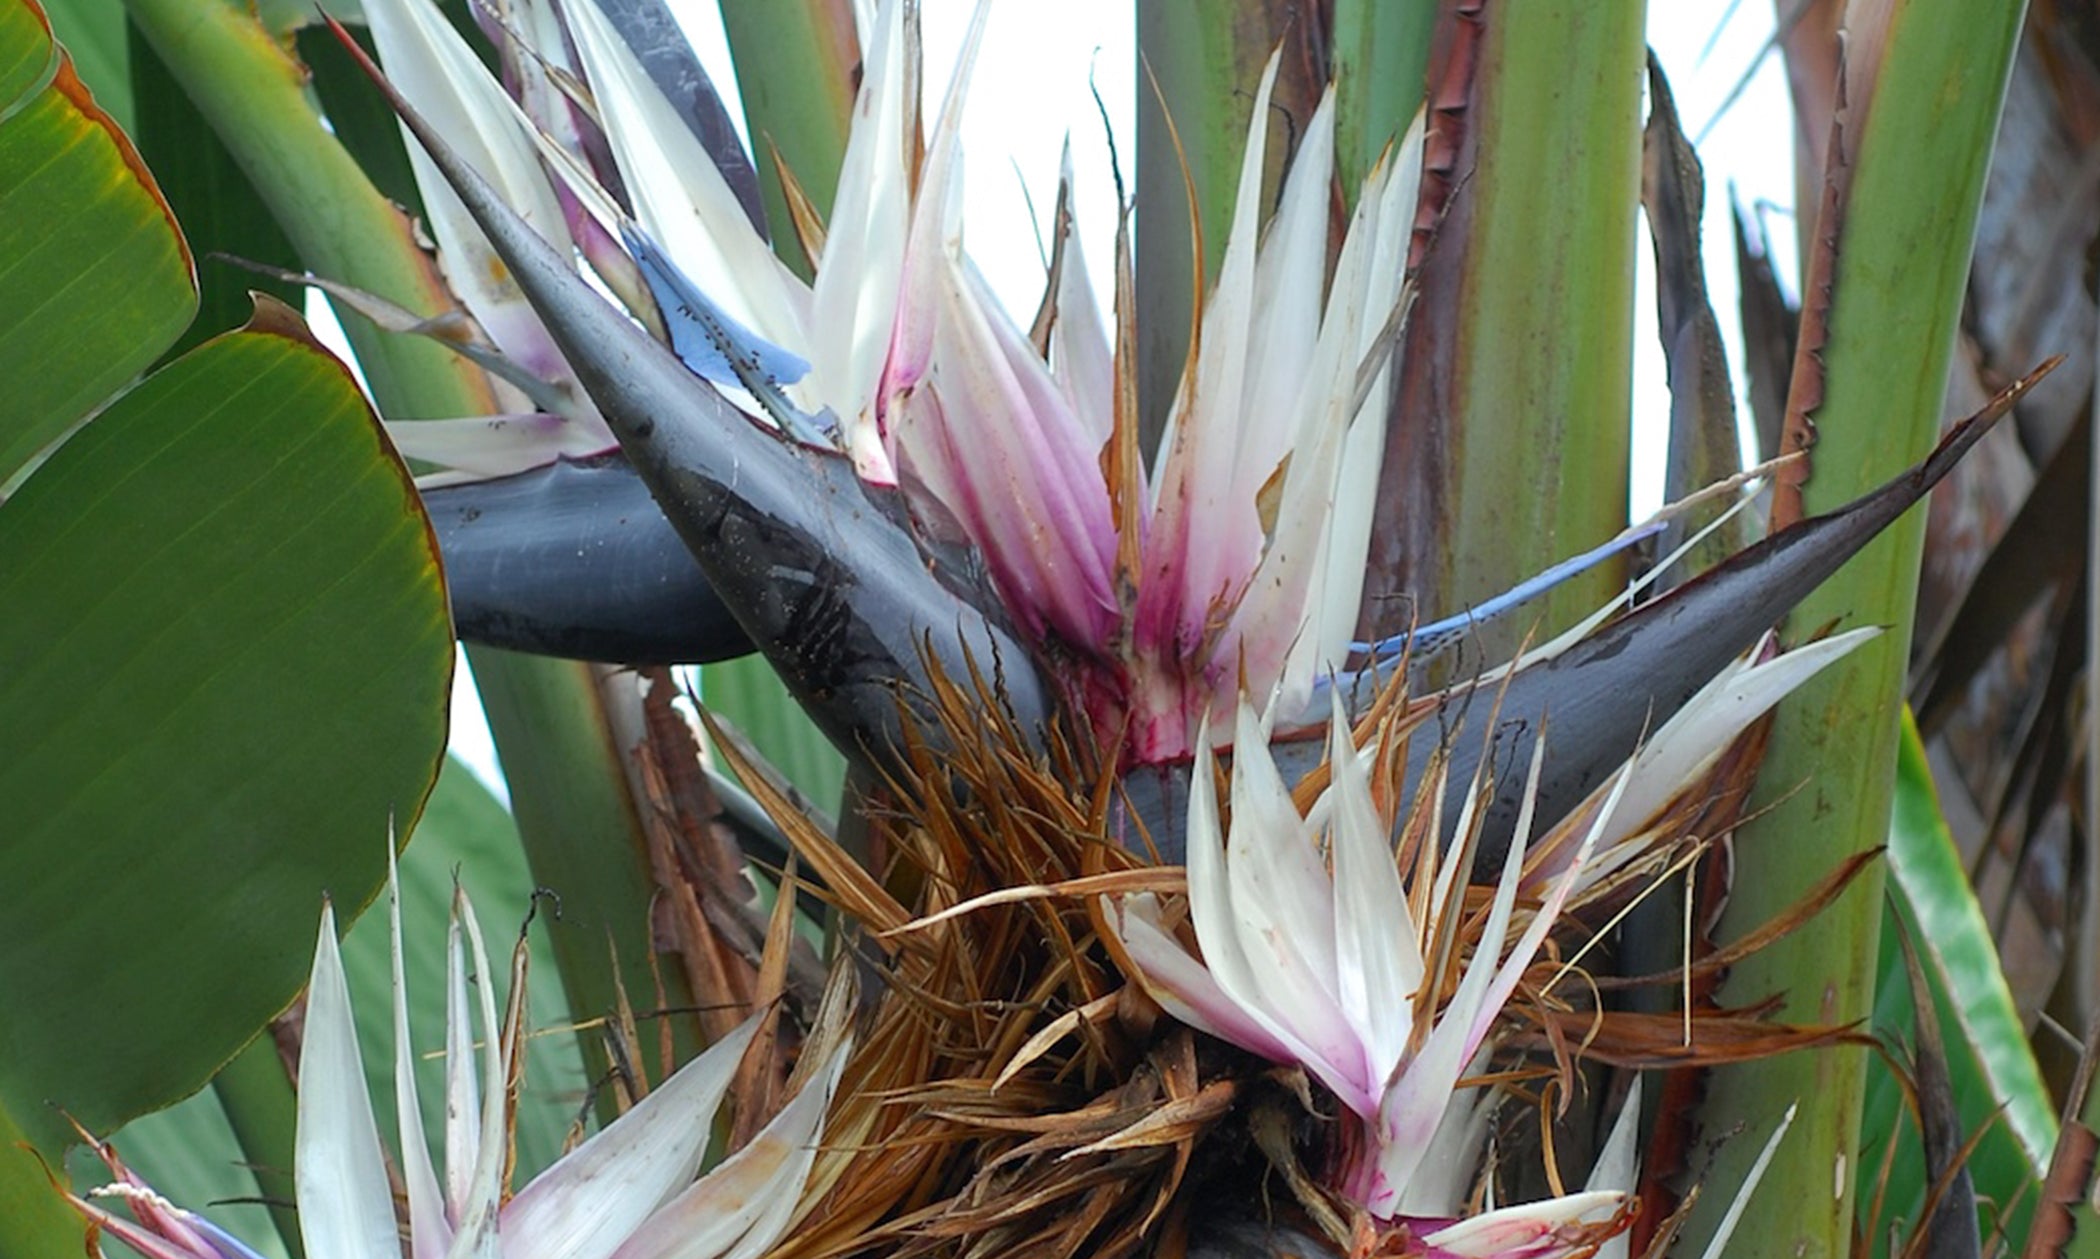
(1204, 541)
(477, 1211)
(346, 1209)
(853, 304)
(1181, 985)
(1082, 356)
(1380, 966)
(584, 1206)
(485, 446)
(1718, 1246)
(462, 1081)
(742, 1207)
(436, 70)
(1282, 910)
(430, 1233)
(1712, 719)
(680, 198)
(1618, 1165)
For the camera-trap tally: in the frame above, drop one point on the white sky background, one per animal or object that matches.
(1031, 91)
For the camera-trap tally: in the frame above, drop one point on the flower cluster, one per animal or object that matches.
(629, 1192)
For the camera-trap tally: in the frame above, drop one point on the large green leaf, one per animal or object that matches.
(222, 672)
(94, 276)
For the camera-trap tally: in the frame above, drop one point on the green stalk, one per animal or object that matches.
(570, 793)
(253, 92)
(263, 1112)
(1508, 447)
(1205, 58)
(1380, 51)
(796, 67)
(1923, 149)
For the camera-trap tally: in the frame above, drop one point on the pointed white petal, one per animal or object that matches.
(346, 1210)
(1618, 1165)
(742, 1207)
(1181, 984)
(430, 1233)
(1285, 318)
(1380, 966)
(1415, 1101)
(1205, 540)
(586, 1204)
(993, 439)
(1443, 1180)
(1282, 908)
(476, 1236)
(1711, 720)
(1216, 917)
(436, 70)
(680, 198)
(853, 305)
(462, 1081)
(485, 446)
(1082, 353)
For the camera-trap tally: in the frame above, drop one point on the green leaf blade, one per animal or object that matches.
(95, 278)
(218, 591)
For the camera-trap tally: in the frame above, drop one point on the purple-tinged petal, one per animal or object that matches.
(1182, 986)
(1535, 1230)
(1082, 354)
(482, 447)
(1205, 539)
(163, 1230)
(992, 438)
(1283, 908)
(1379, 964)
(434, 67)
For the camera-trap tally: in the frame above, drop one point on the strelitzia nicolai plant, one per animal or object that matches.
(992, 535)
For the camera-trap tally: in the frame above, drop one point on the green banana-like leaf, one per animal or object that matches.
(1996, 1081)
(94, 36)
(1919, 136)
(96, 276)
(246, 83)
(216, 591)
